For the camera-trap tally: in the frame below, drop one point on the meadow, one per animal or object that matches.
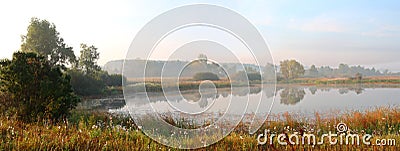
(85, 130)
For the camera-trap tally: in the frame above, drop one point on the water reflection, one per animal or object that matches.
(292, 95)
(289, 95)
(202, 98)
(286, 96)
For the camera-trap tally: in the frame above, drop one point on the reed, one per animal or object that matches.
(103, 131)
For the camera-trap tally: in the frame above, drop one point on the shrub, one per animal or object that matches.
(205, 76)
(86, 84)
(36, 89)
(113, 79)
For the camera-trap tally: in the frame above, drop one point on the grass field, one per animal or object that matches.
(102, 131)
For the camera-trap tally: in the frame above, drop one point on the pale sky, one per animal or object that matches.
(313, 32)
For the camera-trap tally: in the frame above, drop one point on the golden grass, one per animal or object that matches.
(105, 132)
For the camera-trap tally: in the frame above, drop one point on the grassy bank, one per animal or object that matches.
(154, 85)
(102, 131)
(394, 80)
(187, 85)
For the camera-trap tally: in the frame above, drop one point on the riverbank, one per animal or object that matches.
(154, 85)
(103, 131)
(378, 80)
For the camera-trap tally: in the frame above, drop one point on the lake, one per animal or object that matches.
(294, 99)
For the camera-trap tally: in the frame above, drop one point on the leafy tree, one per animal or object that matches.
(44, 39)
(86, 84)
(313, 71)
(291, 69)
(88, 59)
(343, 69)
(37, 89)
(113, 79)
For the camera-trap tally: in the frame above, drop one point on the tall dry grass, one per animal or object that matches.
(100, 131)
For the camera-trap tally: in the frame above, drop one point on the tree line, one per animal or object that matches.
(45, 80)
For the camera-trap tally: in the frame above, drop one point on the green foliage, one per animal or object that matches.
(205, 76)
(112, 80)
(86, 84)
(43, 38)
(88, 59)
(36, 88)
(313, 71)
(88, 78)
(291, 69)
(344, 71)
(94, 84)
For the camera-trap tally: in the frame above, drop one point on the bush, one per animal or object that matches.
(35, 89)
(86, 84)
(94, 83)
(113, 79)
(205, 76)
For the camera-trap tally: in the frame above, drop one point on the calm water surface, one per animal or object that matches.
(296, 99)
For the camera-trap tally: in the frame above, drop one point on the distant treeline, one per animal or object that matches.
(344, 70)
(135, 68)
(154, 69)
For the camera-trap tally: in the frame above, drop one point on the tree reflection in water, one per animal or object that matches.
(291, 96)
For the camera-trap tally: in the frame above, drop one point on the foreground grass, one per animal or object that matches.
(101, 131)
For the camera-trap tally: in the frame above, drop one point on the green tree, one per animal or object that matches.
(86, 84)
(44, 39)
(343, 70)
(291, 69)
(313, 71)
(36, 88)
(88, 59)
